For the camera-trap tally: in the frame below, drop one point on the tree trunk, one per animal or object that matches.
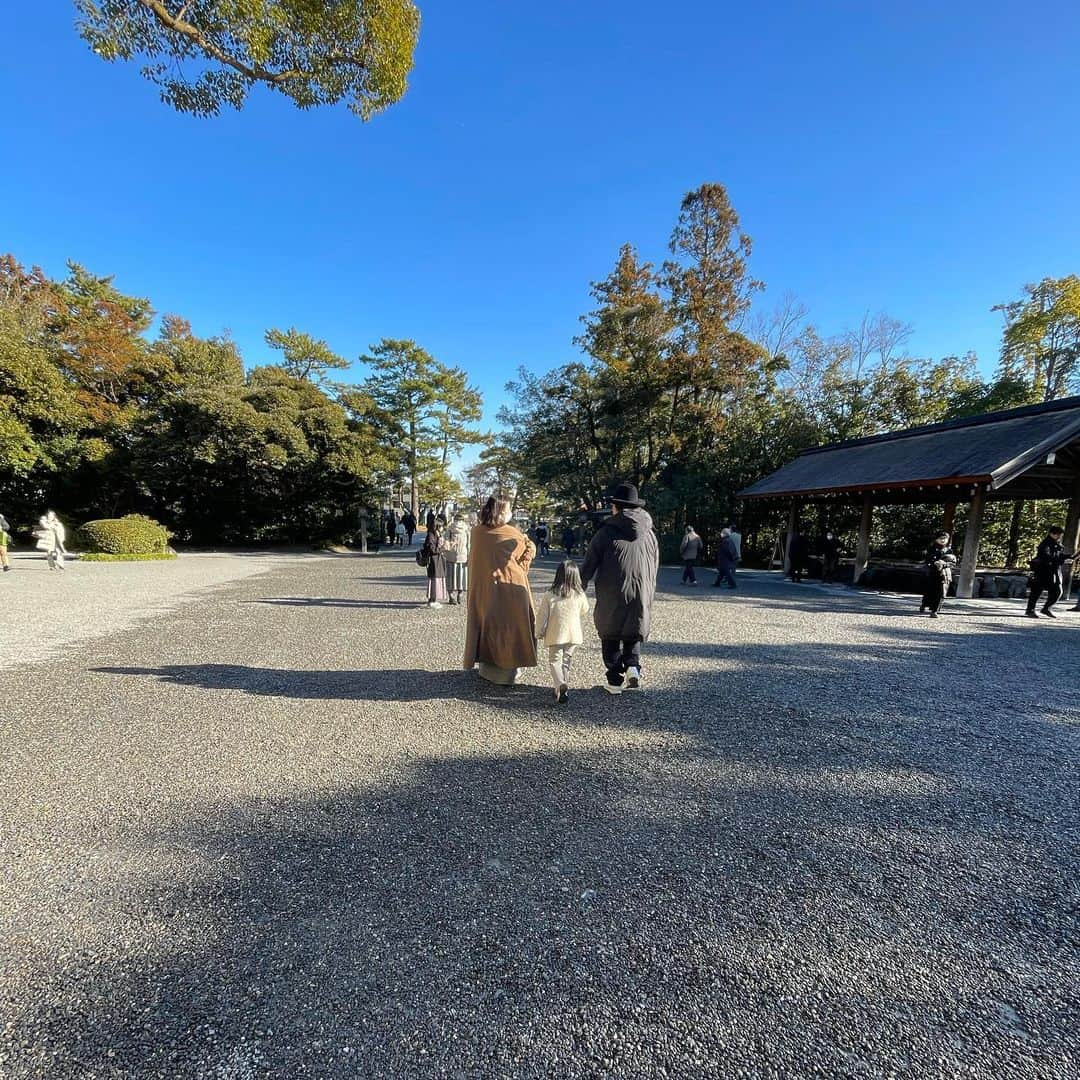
(1012, 554)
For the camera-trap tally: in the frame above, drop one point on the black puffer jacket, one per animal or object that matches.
(623, 560)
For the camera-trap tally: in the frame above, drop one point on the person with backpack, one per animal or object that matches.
(433, 556)
(938, 563)
(690, 552)
(558, 624)
(1046, 573)
(457, 559)
(51, 535)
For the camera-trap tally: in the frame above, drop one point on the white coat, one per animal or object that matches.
(558, 620)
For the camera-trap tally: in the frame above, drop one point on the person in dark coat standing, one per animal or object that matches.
(409, 522)
(433, 555)
(1046, 573)
(938, 565)
(690, 552)
(726, 558)
(623, 560)
(568, 539)
(798, 555)
(830, 556)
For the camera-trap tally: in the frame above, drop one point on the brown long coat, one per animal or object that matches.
(501, 625)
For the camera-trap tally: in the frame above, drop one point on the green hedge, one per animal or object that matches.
(133, 534)
(101, 556)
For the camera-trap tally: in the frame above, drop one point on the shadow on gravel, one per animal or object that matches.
(323, 601)
(576, 914)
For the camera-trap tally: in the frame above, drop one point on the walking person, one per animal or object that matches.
(433, 556)
(51, 535)
(409, 522)
(726, 560)
(542, 534)
(1046, 573)
(623, 559)
(736, 541)
(798, 556)
(457, 559)
(558, 624)
(939, 563)
(568, 539)
(830, 556)
(500, 629)
(5, 539)
(690, 552)
(390, 528)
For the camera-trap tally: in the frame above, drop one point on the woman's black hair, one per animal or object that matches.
(943, 535)
(493, 509)
(567, 579)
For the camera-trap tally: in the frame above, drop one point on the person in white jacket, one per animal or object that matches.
(51, 535)
(558, 624)
(457, 558)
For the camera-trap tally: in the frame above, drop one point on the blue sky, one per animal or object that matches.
(916, 158)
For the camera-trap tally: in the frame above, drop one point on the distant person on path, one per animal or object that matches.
(798, 556)
(430, 520)
(623, 558)
(568, 540)
(690, 552)
(400, 534)
(939, 563)
(51, 535)
(830, 556)
(558, 624)
(409, 522)
(726, 561)
(1046, 573)
(542, 534)
(390, 528)
(5, 539)
(736, 541)
(433, 556)
(457, 559)
(500, 629)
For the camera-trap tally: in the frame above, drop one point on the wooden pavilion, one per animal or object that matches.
(1027, 453)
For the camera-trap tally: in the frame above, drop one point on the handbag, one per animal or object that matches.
(422, 557)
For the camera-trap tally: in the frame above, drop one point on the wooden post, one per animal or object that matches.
(1071, 539)
(862, 549)
(792, 525)
(965, 583)
(948, 519)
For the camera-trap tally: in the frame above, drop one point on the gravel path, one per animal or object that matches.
(276, 833)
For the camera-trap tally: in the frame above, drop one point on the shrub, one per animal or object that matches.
(99, 556)
(134, 534)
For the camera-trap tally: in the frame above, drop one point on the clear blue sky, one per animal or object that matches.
(918, 158)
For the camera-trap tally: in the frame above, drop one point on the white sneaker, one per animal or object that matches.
(612, 689)
(435, 604)
(633, 679)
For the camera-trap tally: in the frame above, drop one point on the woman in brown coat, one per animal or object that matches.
(500, 633)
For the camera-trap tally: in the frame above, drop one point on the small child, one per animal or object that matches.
(558, 624)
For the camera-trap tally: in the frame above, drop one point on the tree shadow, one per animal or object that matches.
(324, 601)
(572, 914)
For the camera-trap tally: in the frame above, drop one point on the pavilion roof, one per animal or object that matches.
(1006, 451)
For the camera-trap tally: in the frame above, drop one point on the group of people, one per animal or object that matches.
(728, 556)
(504, 628)
(1045, 576)
(399, 529)
(50, 536)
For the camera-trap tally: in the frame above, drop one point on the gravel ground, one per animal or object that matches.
(276, 833)
(47, 611)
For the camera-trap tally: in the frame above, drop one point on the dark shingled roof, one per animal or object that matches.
(996, 449)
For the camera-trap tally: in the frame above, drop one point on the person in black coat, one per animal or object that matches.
(1046, 573)
(830, 556)
(798, 555)
(409, 522)
(938, 565)
(568, 539)
(726, 558)
(623, 560)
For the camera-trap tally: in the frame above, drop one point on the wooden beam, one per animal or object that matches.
(965, 583)
(1071, 538)
(862, 550)
(792, 525)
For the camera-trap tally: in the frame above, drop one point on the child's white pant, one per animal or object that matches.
(559, 657)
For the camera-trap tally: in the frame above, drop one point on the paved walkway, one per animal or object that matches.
(274, 832)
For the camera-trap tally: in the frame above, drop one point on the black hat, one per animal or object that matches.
(626, 495)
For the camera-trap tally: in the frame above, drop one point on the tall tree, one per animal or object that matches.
(205, 54)
(429, 403)
(305, 357)
(1041, 341)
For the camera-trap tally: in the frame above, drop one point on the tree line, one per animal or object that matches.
(690, 390)
(99, 418)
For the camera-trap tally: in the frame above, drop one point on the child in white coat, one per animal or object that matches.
(558, 624)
